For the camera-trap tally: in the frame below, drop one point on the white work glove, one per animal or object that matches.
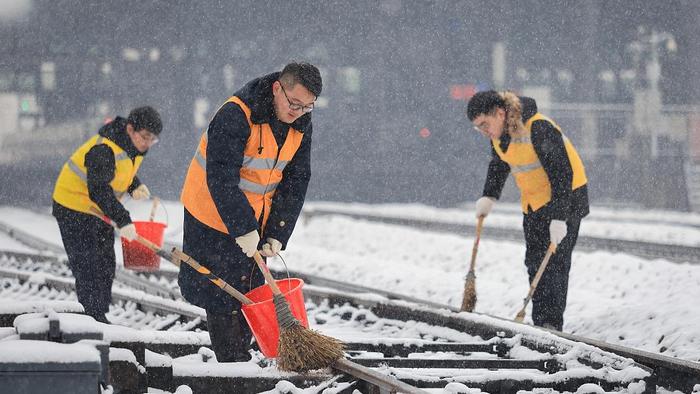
(249, 242)
(128, 232)
(484, 206)
(557, 231)
(271, 247)
(141, 192)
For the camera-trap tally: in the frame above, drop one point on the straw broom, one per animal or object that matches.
(299, 348)
(469, 299)
(533, 286)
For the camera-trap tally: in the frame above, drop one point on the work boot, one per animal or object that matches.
(100, 317)
(230, 340)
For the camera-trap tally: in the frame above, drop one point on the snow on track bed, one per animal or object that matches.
(396, 338)
(451, 358)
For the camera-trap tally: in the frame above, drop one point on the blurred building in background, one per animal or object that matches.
(620, 77)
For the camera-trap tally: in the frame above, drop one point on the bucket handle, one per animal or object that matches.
(154, 207)
(253, 270)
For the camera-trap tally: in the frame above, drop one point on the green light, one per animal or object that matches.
(24, 105)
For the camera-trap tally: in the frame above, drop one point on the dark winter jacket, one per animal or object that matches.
(227, 136)
(550, 149)
(100, 165)
(216, 251)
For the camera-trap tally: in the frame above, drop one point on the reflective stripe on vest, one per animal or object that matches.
(71, 186)
(515, 169)
(260, 172)
(82, 174)
(253, 163)
(527, 167)
(527, 170)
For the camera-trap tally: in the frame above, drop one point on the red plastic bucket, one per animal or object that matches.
(261, 315)
(137, 257)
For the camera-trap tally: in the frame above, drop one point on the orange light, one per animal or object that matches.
(424, 132)
(462, 92)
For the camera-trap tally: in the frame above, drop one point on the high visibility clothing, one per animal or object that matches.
(260, 173)
(71, 189)
(530, 177)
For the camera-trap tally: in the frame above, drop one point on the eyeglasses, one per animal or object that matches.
(149, 137)
(296, 107)
(481, 128)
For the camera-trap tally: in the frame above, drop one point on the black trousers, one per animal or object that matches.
(549, 300)
(89, 244)
(230, 336)
(228, 329)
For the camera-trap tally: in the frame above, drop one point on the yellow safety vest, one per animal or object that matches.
(532, 180)
(71, 186)
(260, 173)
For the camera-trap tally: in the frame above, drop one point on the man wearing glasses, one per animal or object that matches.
(244, 191)
(553, 189)
(93, 180)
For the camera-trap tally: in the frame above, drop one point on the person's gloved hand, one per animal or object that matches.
(271, 247)
(141, 192)
(128, 232)
(484, 206)
(557, 231)
(249, 242)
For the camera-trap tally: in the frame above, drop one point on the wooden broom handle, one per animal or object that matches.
(475, 248)
(179, 257)
(176, 257)
(223, 285)
(152, 216)
(540, 270)
(266, 273)
(533, 286)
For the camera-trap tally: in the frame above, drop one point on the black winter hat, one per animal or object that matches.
(484, 103)
(145, 118)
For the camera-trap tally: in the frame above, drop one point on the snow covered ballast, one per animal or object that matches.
(477, 351)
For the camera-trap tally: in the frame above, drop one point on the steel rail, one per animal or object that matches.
(648, 250)
(57, 254)
(668, 371)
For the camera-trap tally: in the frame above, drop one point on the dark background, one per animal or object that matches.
(367, 141)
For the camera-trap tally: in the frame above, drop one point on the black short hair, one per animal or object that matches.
(145, 118)
(484, 103)
(304, 73)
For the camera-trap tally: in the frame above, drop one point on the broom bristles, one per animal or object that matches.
(302, 350)
(469, 300)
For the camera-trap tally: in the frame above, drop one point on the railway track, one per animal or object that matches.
(678, 253)
(416, 353)
(394, 344)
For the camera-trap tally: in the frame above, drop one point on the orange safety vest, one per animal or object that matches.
(71, 189)
(260, 173)
(532, 180)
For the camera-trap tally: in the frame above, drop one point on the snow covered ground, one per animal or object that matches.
(618, 298)
(677, 228)
(615, 297)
